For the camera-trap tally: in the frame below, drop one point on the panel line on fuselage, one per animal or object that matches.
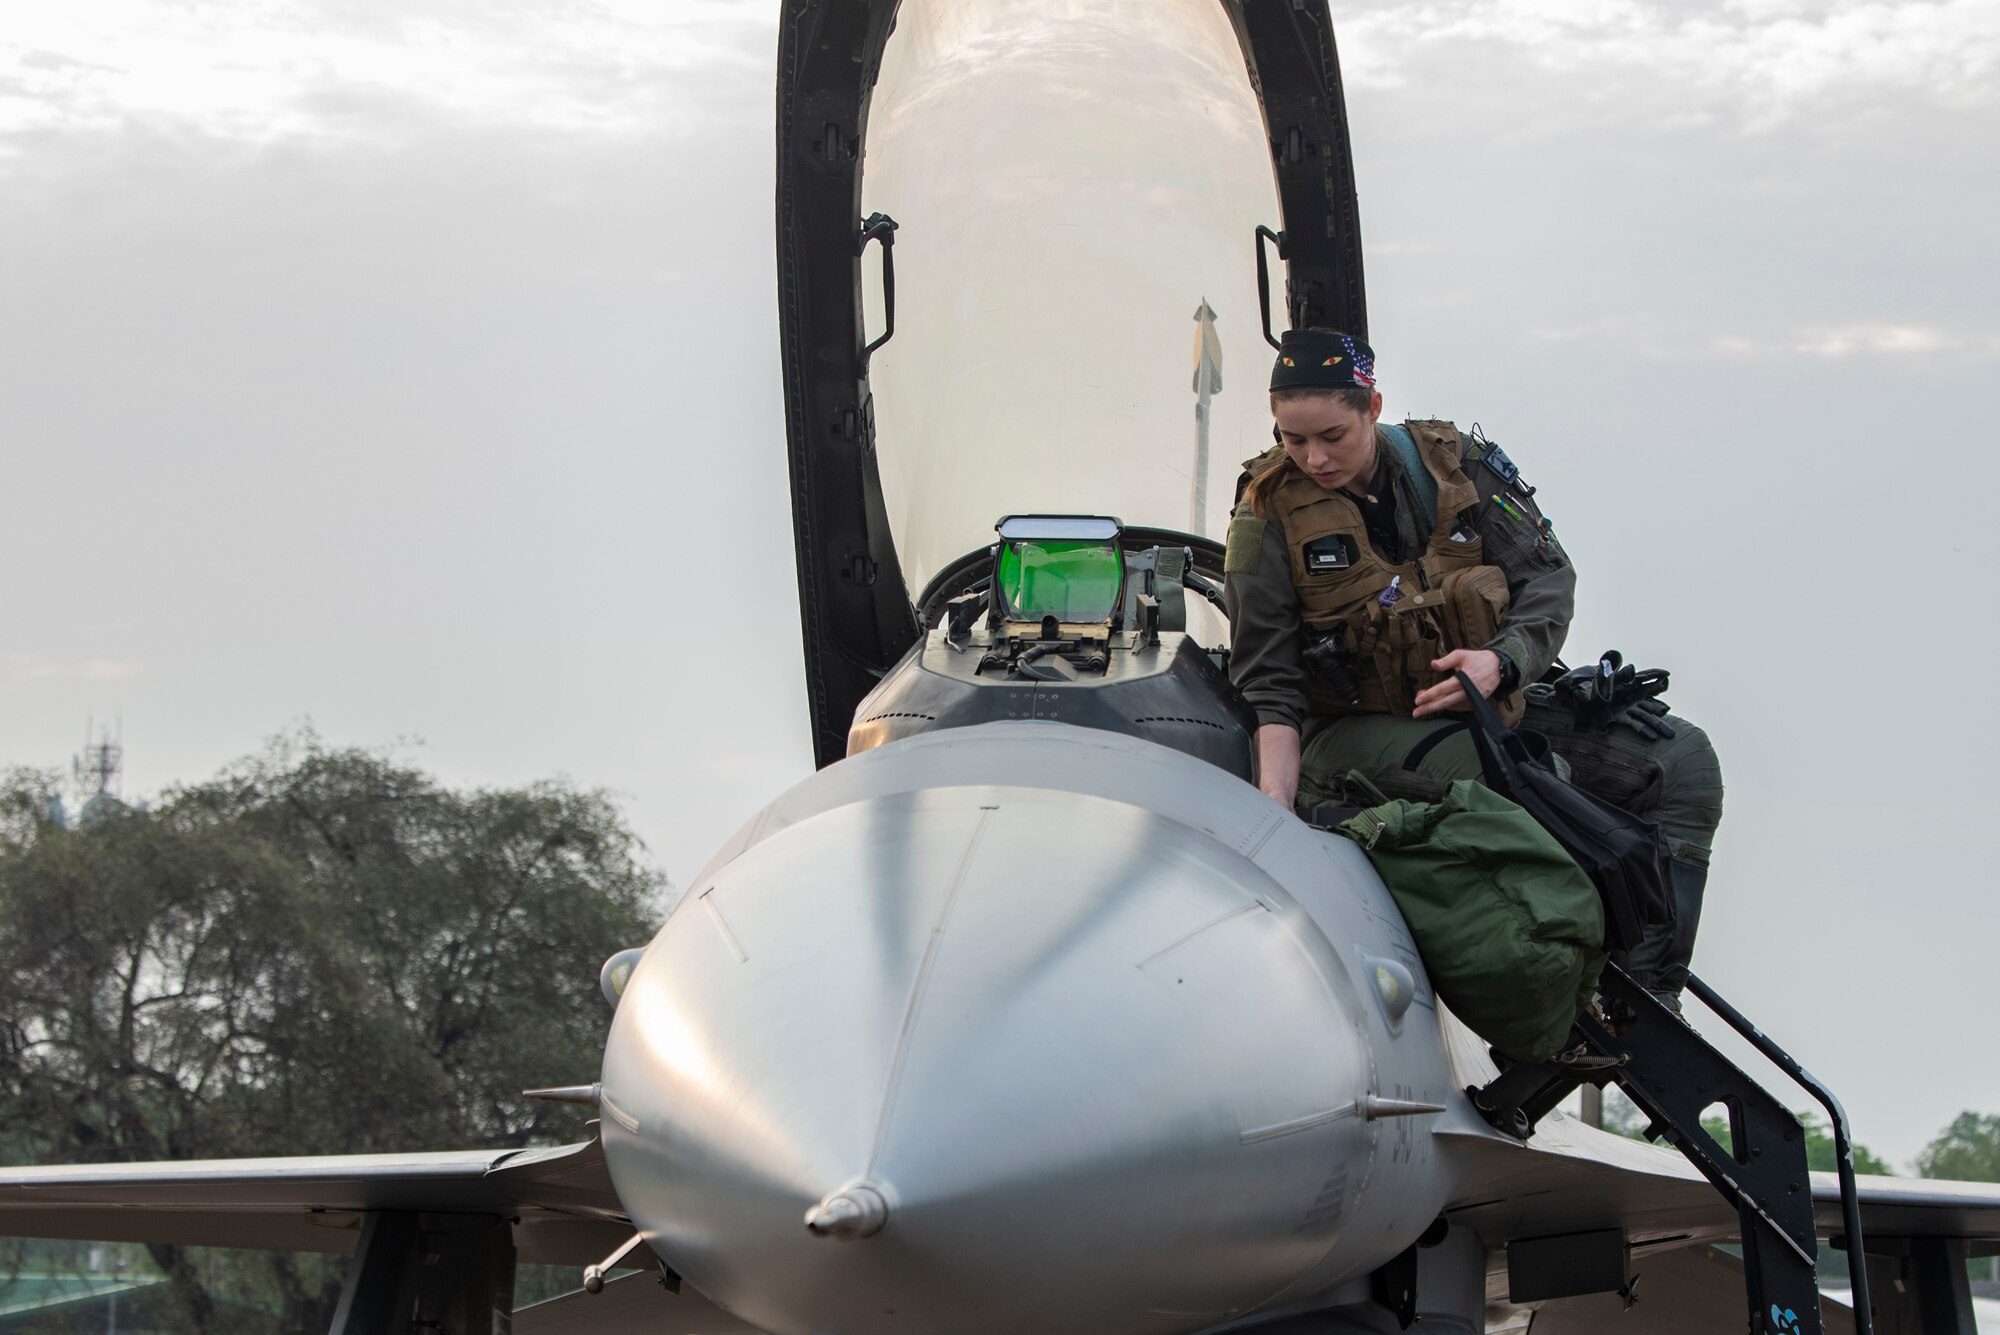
(722, 926)
(1205, 928)
(921, 984)
(1297, 1124)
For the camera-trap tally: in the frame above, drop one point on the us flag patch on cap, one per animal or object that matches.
(1364, 363)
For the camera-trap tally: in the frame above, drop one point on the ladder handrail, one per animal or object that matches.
(1850, 1195)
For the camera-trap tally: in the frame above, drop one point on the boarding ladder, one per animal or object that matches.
(1673, 1075)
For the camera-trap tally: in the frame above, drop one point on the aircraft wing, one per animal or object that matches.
(1572, 1178)
(1569, 1177)
(1913, 1207)
(562, 1198)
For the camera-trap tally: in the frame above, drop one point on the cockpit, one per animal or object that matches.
(1075, 619)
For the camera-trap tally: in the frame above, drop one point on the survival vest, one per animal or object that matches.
(1447, 597)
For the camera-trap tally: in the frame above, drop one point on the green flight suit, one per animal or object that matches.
(1675, 782)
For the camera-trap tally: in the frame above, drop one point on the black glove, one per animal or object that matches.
(1648, 718)
(1614, 692)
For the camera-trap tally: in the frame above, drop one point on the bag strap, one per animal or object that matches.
(1418, 753)
(1490, 737)
(1422, 483)
(1328, 816)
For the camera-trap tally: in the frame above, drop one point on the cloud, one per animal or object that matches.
(1760, 62)
(1836, 343)
(26, 667)
(258, 71)
(1659, 338)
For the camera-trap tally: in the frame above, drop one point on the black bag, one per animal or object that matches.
(1622, 855)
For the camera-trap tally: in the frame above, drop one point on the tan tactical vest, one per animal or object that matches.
(1449, 599)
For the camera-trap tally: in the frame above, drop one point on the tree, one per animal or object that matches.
(1968, 1150)
(1621, 1116)
(317, 951)
(1820, 1155)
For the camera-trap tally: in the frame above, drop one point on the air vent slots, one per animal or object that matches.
(1169, 718)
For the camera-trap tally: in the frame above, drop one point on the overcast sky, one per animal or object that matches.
(411, 370)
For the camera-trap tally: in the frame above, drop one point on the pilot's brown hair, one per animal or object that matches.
(1267, 481)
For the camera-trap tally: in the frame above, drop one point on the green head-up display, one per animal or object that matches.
(1065, 566)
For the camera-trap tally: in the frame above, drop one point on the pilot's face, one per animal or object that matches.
(1330, 442)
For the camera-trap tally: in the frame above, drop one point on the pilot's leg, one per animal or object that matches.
(1379, 745)
(1675, 782)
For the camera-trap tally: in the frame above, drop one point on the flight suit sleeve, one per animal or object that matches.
(1540, 580)
(1263, 612)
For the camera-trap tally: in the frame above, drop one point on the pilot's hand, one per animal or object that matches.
(1482, 665)
(1278, 763)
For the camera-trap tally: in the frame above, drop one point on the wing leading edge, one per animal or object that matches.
(561, 1200)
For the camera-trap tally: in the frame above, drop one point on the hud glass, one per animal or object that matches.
(1067, 567)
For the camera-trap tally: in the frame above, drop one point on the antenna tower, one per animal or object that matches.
(98, 766)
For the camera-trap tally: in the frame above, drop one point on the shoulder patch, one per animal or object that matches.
(1482, 450)
(1246, 545)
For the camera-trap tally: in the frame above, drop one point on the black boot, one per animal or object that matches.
(1690, 879)
(1660, 963)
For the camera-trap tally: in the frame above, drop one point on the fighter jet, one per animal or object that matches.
(1027, 1011)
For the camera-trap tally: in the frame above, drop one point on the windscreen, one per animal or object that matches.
(1076, 182)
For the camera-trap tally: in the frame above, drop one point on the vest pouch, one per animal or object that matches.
(1413, 634)
(1475, 599)
(1475, 602)
(1419, 628)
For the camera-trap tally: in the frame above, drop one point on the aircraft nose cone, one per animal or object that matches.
(1018, 1059)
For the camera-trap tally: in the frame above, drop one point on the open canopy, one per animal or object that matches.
(1067, 190)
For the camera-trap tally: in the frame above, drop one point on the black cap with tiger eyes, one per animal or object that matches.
(1323, 359)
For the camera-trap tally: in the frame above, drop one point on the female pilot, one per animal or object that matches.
(1368, 563)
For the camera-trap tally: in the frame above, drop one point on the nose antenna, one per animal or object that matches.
(850, 1214)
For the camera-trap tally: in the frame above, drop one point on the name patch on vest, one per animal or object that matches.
(1334, 552)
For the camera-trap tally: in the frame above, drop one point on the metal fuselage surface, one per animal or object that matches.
(1097, 1023)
